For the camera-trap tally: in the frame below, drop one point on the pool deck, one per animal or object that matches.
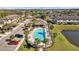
(31, 35)
(47, 36)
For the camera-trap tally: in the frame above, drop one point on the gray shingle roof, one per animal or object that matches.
(64, 17)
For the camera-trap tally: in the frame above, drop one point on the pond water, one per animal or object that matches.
(72, 37)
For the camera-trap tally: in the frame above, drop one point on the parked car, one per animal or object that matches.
(19, 35)
(13, 42)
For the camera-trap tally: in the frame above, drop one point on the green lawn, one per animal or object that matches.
(60, 42)
(24, 48)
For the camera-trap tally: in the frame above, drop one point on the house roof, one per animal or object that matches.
(9, 17)
(64, 16)
(1, 21)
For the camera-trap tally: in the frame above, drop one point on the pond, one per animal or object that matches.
(72, 36)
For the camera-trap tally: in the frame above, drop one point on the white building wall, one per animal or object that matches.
(64, 21)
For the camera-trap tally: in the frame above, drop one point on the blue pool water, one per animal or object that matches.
(40, 33)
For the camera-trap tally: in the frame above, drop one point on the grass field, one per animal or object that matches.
(60, 42)
(24, 48)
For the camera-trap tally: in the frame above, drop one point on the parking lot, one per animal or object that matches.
(4, 44)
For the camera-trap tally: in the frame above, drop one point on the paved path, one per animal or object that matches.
(3, 44)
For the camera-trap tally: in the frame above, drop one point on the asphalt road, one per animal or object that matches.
(3, 44)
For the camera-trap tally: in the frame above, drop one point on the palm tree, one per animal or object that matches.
(54, 35)
(46, 40)
(11, 37)
(37, 41)
(51, 26)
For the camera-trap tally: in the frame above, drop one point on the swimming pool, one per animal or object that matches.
(40, 34)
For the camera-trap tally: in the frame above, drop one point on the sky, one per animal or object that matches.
(39, 7)
(39, 3)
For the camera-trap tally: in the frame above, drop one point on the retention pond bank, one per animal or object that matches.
(72, 36)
